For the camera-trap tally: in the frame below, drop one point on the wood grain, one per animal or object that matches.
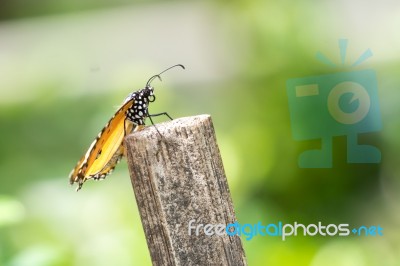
(178, 176)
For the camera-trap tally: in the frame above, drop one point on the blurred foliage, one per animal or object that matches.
(22, 8)
(53, 105)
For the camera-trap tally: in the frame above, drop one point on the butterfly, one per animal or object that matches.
(107, 149)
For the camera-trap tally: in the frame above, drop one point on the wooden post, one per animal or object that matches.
(177, 177)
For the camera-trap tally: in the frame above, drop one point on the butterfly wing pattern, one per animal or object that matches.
(107, 149)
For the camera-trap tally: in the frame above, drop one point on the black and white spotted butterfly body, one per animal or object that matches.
(138, 112)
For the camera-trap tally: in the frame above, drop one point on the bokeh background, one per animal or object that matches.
(65, 66)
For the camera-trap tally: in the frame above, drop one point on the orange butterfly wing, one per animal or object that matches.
(106, 150)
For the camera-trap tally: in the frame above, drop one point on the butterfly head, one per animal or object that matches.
(148, 94)
(138, 112)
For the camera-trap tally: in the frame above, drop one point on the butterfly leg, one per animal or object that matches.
(164, 113)
(151, 120)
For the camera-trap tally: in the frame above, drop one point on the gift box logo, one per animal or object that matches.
(338, 104)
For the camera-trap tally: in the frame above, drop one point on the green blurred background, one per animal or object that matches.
(65, 66)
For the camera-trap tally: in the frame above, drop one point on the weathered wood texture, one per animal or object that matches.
(178, 177)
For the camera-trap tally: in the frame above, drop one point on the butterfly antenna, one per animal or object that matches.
(159, 75)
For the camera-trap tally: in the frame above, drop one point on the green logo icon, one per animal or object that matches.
(338, 104)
